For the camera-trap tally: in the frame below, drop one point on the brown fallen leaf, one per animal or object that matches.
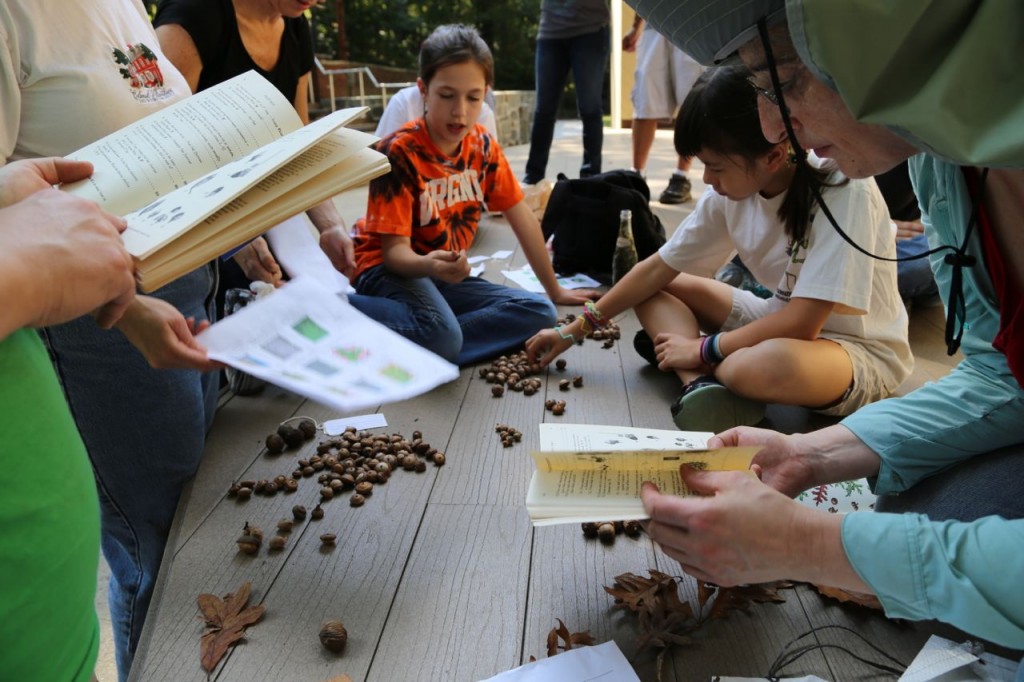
(226, 620)
(742, 597)
(340, 678)
(569, 640)
(860, 598)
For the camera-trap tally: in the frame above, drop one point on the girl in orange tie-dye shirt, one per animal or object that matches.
(422, 217)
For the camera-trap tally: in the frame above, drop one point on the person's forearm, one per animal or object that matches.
(821, 558)
(325, 216)
(836, 454)
(405, 262)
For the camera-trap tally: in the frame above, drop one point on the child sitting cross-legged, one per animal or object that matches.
(832, 337)
(422, 216)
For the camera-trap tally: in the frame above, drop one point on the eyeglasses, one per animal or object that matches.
(767, 94)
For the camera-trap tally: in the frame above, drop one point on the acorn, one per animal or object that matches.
(356, 500)
(560, 364)
(632, 528)
(317, 513)
(299, 512)
(328, 539)
(250, 544)
(589, 529)
(606, 533)
(293, 438)
(277, 543)
(333, 636)
(275, 444)
(307, 427)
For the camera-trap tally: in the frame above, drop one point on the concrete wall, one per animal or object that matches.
(514, 114)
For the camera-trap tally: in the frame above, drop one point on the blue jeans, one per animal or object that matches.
(586, 56)
(144, 430)
(463, 323)
(914, 277)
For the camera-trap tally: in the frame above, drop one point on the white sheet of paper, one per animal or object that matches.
(526, 279)
(307, 339)
(501, 255)
(298, 252)
(477, 270)
(942, 660)
(806, 678)
(601, 663)
(473, 260)
(336, 427)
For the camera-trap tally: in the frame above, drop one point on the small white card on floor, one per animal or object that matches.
(586, 664)
(942, 660)
(336, 427)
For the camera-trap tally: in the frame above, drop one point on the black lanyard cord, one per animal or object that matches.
(791, 653)
(959, 258)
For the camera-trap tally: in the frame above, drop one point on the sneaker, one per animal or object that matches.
(643, 344)
(677, 192)
(735, 273)
(706, 405)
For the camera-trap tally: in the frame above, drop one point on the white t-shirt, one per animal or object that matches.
(407, 105)
(868, 308)
(83, 70)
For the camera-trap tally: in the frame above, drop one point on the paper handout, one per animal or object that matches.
(310, 341)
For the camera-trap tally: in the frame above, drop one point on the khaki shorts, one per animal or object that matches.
(664, 75)
(868, 383)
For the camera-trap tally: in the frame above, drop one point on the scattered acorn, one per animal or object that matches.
(560, 364)
(328, 539)
(577, 382)
(277, 543)
(293, 438)
(589, 529)
(356, 500)
(299, 512)
(564, 385)
(606, 533)
(333, 636)
(317, 513)
(497, 390)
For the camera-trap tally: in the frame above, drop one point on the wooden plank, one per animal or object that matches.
(460, 606)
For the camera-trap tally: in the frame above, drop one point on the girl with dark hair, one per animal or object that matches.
(832, 337)
(422, 217)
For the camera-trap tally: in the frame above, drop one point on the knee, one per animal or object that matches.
(748, 370)
(537, 310)
(441, 336)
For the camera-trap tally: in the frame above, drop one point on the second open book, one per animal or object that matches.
(594, 473)
(215, 170)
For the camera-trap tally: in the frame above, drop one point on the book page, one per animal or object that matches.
(175, 213)
(183, 142)
(221, 235)
(583, 437)
(305, 338)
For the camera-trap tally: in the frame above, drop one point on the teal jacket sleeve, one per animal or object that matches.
(965, 574)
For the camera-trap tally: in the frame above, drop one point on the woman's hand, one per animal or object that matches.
(545, 346)
(449, 266)
(778, 463)
(164, 336)
(737, 530)
(258, 263)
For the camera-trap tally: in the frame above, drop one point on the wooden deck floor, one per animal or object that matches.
(440, 575)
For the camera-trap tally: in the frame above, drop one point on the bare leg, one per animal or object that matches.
(643, 139)
(809, 373)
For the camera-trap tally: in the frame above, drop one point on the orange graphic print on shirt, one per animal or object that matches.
(434, 199)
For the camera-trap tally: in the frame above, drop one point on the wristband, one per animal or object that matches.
(597, 317)
(567, 337)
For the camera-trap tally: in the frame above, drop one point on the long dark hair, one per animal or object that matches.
(720, 115)
(454, 44)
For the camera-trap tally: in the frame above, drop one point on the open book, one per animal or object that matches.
(594, 473)
(215, 170)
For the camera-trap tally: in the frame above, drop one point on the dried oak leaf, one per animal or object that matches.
(741, 597)
(340, 678)
(860, 598)
(226, 620)
(569, 640)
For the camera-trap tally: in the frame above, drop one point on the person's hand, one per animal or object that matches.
(908, 229)
(258, 263)
(779, 464)
(742, 532)
(20, 179)
(678, 352)
(449, 266)
(630, 40)
(337, 244)
(164, 336)
(545, 346)
(71, 252)
(574, 296)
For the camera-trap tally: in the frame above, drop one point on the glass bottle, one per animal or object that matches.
(625, 248)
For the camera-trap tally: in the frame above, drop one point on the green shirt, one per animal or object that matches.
(49, 525)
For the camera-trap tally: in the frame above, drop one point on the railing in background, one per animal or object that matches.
(362, 75)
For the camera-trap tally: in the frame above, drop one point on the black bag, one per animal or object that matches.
(583, 215)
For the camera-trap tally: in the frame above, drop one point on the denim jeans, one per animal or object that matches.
(144, 431)
(914, 277)
(463, 323)
(586, 56)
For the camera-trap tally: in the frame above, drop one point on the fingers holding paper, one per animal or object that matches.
(164, 336)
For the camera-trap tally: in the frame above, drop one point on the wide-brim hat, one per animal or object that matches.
(710, 31)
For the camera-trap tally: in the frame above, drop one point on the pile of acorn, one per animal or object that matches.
(610, 333)
(514, 372)
(607, 530)
(355, 460)
(509, 436)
